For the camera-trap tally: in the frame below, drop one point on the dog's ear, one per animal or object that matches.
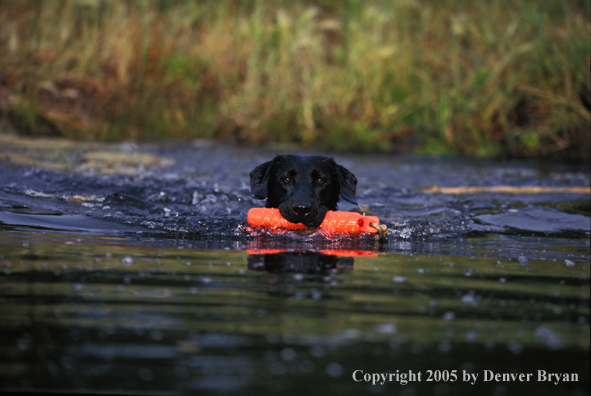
(348, 183)
(258, 180)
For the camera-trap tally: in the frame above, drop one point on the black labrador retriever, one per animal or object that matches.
(304, 188)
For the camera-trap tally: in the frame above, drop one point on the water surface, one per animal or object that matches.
(140, 276)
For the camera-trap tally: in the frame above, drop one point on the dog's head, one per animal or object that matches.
(304, 188)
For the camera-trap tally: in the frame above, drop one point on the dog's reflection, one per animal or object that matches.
(302, 262)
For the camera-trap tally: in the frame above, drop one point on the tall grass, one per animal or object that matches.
(485, 79)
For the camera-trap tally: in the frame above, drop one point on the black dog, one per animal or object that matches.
(304, 188)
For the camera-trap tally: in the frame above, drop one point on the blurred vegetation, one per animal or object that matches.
(495, 78)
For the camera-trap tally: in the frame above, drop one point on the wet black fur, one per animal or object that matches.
(304, 188)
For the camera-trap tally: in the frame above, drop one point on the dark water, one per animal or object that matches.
(151, 282)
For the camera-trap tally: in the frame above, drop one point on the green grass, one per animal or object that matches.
(485, 79)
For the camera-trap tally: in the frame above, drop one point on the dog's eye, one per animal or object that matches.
(320, 181)
(286, 180)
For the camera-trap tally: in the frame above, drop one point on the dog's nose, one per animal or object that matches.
(302, 208)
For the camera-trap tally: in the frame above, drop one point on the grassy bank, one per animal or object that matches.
(485, 79)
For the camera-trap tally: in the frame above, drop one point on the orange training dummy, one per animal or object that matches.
(334, 222)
